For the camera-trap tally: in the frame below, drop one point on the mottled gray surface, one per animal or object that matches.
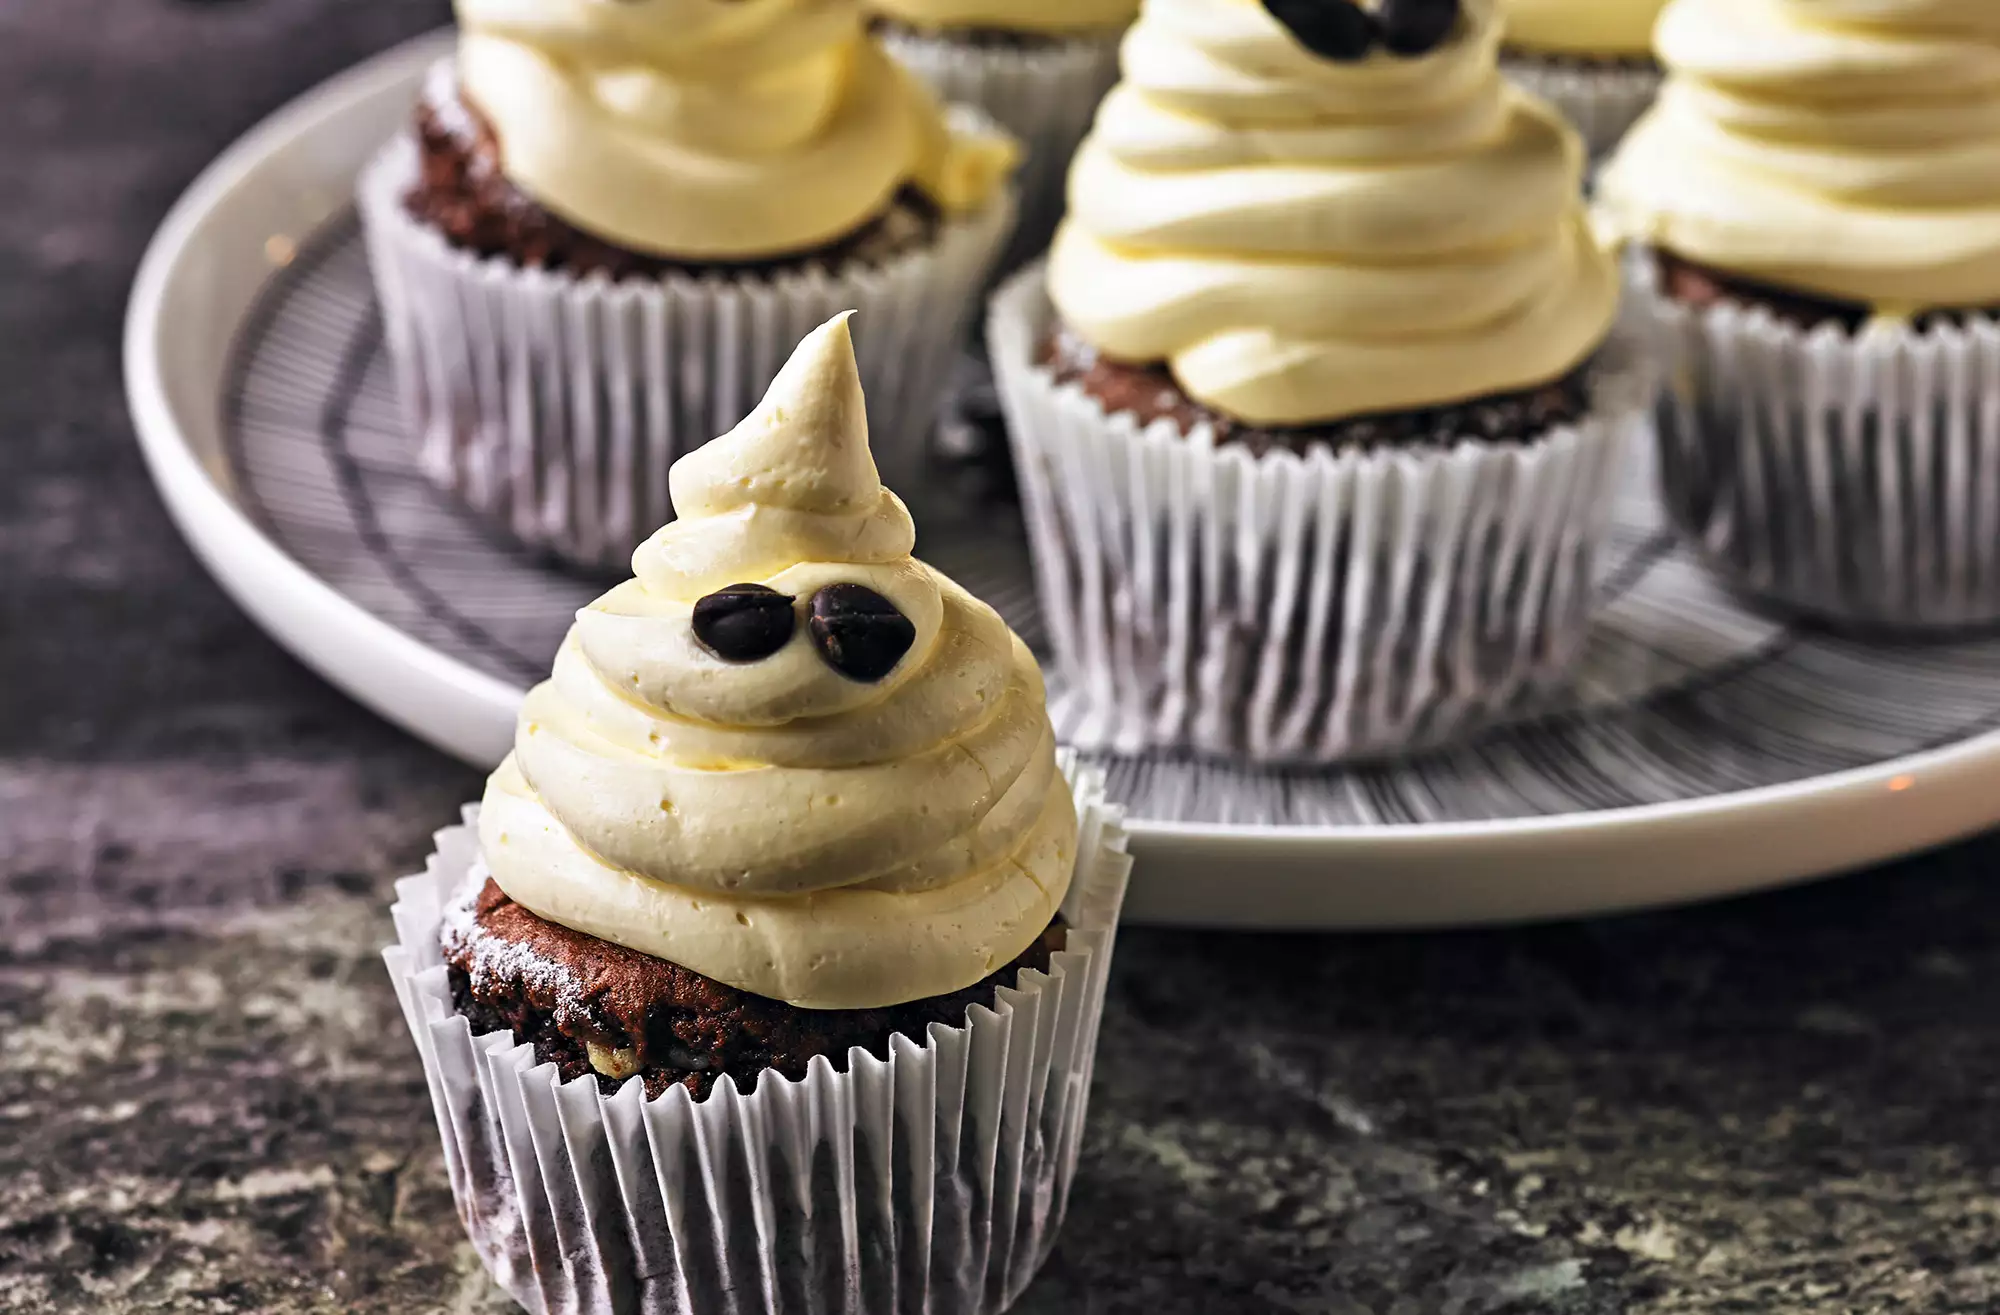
(208, 1103)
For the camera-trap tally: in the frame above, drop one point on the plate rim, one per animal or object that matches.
(286, 598)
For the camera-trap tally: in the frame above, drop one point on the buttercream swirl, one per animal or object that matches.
(774, 825)
(1849, 148)
(1302, 240)
(1612, 28)
(712, 129)
(1038, 17)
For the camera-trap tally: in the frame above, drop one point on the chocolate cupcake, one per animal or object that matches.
(767, 975)
(1038, 68)
(610, 222)
(1816, 200)
(1591, 59)
(1316, 408)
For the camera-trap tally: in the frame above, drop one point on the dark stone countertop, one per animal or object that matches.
(208, 1101)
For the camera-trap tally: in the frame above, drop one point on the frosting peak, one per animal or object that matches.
(684, 128)
(805, 447)
(1849, 148)
(1302, 239)
(775, 824)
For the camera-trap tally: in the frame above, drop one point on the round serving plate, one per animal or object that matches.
(1706, 749)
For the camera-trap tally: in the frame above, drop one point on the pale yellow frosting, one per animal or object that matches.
(1614, 28)
(711, 130)
(1849, 148)
(1302, 240)
(1040, 17)
(775, 825)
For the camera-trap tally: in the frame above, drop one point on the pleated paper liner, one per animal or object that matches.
(932, 1181)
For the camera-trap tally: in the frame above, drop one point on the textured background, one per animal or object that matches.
(208, 1102)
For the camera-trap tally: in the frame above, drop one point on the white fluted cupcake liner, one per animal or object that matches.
(1045, 94)
(554, 405)
(931, 1181)
(1851, 477)
(1300, 608)
(1602, 100)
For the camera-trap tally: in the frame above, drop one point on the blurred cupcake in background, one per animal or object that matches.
(1037, 67)
(1592, 58)
(1315, 406)
(1817, 198)
(767, 976)
(612, 221)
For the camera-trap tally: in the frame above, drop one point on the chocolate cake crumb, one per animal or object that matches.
(981, 38)
(1150, 392)
(1701, 286)
(589, 1006)
(464, 193)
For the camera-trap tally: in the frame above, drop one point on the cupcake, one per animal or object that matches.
(1315, 406)
(767, 975)
(1592, 58)
(1037, 67)
(610, 222)
(1816, 201)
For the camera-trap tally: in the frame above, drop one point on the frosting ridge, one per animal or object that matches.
(1848, 148)
(1302, 240)
(1038, 17)
(775, 825)
(1620, 28)
(739, 131)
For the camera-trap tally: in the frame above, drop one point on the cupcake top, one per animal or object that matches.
(712, 129)
(1033, 17)
(787, 755)
(1307, 236)
(1617, 29)
(1845, 148)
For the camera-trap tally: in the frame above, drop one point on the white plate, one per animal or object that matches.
(1707, 750)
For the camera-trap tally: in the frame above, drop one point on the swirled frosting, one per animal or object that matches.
(775, 825)
(1040, 17)
(1616, 28)
(712, 130)
(1302, 240)
(1849, 148)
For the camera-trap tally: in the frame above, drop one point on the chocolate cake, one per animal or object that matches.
(1149, 392)
(589, 1006)
(464, 193)
(1701, 286)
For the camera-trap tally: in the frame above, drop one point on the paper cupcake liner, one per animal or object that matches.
(1046, 95)
(1851, 477)
(1300, 608)
(553, 405)
(931, 1181)
(1602, 100)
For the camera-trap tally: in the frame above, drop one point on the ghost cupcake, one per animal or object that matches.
(1593, 59)
(610, 222)
(1317, 405)
(1037, 67)
(769, 969)
(1816, 200)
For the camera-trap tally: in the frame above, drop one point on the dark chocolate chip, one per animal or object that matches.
(744, 622)
(1332, 29)
(1415, 27)
(859, 632)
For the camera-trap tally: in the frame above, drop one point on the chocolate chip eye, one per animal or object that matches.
(859, 632)
(744, 622)
(1415, 27)
(1339, 30)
